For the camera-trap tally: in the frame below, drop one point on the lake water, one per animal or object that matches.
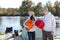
(9, 21)
(14, 21)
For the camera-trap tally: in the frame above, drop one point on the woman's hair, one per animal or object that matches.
(30, 13)
(32, 18)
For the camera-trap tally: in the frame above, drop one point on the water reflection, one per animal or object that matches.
(12, 21)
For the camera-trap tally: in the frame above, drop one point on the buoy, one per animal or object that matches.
(40, 24)
(29, 24)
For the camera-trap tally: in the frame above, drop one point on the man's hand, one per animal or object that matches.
(52, 33)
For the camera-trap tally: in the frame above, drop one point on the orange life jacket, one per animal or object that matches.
(29, 24)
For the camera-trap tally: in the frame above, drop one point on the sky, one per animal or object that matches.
(17, 3)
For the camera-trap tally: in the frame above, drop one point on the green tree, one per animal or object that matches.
(26, 5)
(37, 9)
(57, 7)
(50, 7)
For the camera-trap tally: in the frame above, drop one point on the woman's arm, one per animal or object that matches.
(25, 24)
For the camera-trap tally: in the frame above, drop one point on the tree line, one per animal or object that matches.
(29, 6)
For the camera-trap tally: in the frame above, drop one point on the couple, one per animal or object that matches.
(49, 28)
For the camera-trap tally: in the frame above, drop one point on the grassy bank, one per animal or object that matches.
(1, 33)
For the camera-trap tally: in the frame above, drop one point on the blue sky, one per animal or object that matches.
(17, 3)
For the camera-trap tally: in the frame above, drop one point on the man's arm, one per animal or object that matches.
(53, 25)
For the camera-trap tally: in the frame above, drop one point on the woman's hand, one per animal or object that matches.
(27, 29)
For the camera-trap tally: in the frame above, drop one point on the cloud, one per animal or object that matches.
(10, 3)
(43, 1)
(17, 3)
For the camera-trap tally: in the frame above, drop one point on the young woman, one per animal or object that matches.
(31, 30)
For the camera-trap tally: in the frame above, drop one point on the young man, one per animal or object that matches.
(50, 24)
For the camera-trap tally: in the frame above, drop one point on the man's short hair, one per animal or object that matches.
(45, 9)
